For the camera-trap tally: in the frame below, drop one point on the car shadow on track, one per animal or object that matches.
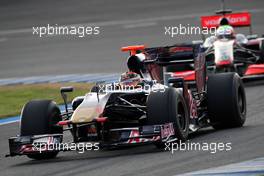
(92, 155)
(201, 132)
(148, 149)
(109, 153)
(254, 83)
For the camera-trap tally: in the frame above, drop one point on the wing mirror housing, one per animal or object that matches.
(64, 91)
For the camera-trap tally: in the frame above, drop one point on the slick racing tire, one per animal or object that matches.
(38, 117)
(261, 57)
(168, 107)
(226, 100)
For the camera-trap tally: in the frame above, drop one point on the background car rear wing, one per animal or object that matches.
(241, 19)
(238, 19)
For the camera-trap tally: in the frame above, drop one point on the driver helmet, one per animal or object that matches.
(130, 79)
(225, 32)
(224, 21)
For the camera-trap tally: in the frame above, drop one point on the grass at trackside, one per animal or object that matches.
(12, 98)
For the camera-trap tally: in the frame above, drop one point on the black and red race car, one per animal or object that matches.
(227, 50)
(159, 109)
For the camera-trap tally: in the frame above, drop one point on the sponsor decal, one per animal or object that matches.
(235, 19)
(134, 135)
(193, 108)
(167, 130)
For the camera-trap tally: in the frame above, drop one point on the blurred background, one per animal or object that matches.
(121, 22)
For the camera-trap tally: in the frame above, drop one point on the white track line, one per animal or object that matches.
(250, 167)
(9, 122)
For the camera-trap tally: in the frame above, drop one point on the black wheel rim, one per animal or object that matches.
(241, 102)
(181, 117)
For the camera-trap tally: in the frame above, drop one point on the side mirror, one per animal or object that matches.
(63, 91)
(66, 89)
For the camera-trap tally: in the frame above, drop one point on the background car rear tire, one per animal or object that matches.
(226, 100)
(39, 117)
(167, 107)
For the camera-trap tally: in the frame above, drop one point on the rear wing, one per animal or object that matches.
(158, 59)
(179, 55)
(242, 19)
(166, 55)
(171, 55)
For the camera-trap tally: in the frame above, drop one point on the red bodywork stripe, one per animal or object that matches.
(224, 63)
(101, 119)
(66, 122)
(255, 69)
(180, 49)
(186, 75)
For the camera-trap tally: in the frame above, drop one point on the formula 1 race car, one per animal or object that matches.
(147, 105)
(227, 51)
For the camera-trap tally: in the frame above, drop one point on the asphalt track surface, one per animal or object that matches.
(131, 22)
(122, 22)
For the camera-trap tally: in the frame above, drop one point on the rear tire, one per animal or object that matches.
(261, 58)
(226, 101)
(168, 107)
(39, 117)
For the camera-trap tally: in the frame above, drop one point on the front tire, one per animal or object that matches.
(38, 117)
(168, 107)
